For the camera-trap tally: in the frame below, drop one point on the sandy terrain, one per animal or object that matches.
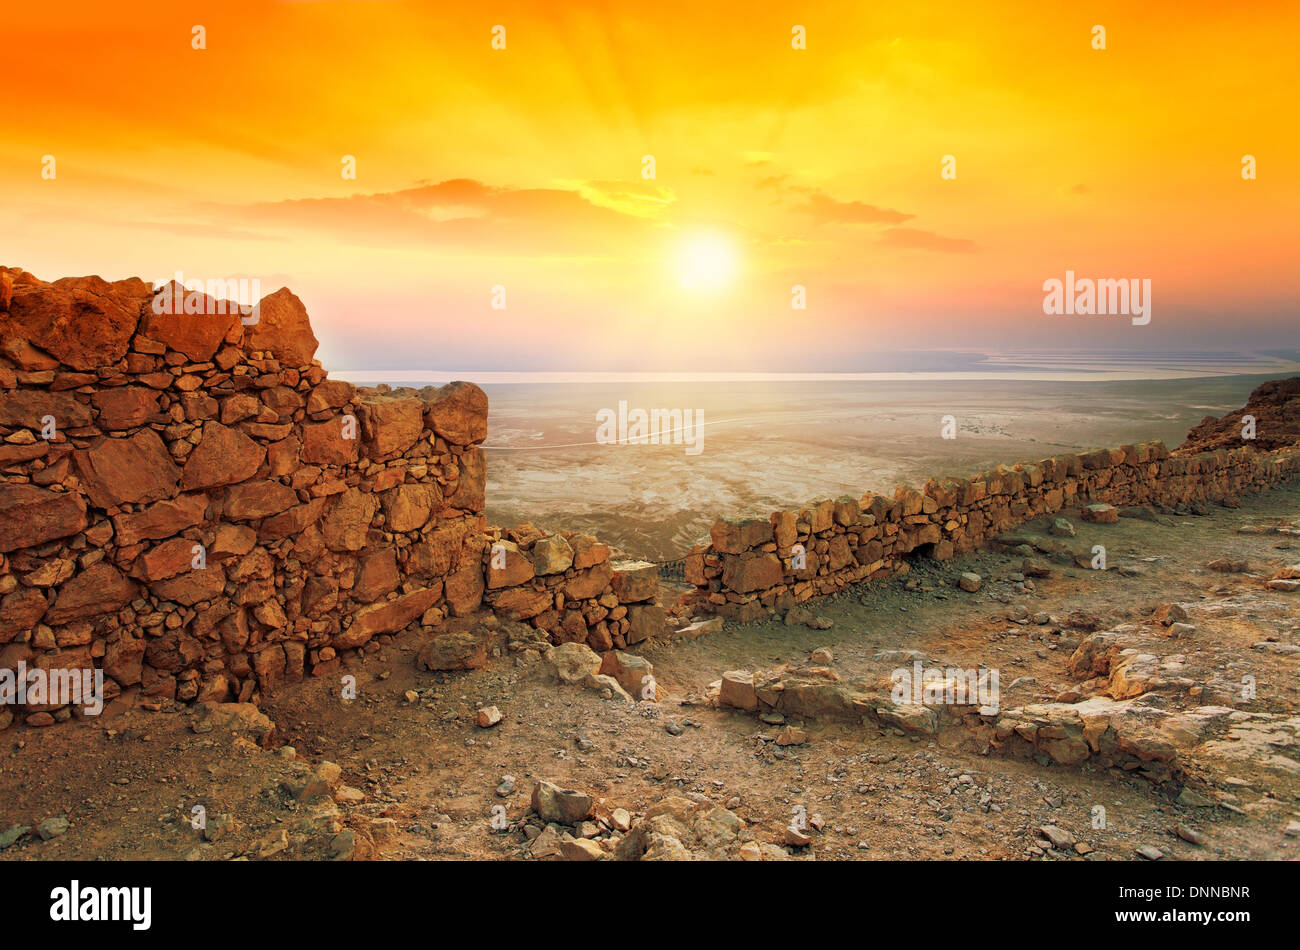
(772, 445)
(425, 775)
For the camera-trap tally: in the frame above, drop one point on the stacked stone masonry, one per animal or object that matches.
(757, 565)
(191, 505)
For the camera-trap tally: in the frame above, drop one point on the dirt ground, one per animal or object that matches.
(422, 778)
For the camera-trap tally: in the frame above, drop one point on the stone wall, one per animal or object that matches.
(751, 567)
(191, 505)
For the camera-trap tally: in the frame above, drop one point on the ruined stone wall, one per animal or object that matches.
(189, 504)
(750, 566)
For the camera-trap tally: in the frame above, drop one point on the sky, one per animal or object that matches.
(517, 176)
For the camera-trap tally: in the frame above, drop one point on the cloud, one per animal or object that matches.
(917, 240)
(472, 215)
(826, 210)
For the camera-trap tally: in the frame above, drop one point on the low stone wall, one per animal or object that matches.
(190, 505)
(757, 565)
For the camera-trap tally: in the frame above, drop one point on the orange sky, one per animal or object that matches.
(522, 168)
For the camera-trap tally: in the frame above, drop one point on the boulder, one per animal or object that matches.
(165, 560)
(589, 584)
(27, 408)
(751, 571)
(283, 329)
(465, 588)
(644, 621)
(522, 603)
(253, 500)
(738, 690)
(197, 335)
(552, 555)
(84, 322)
(348, 521)
(223, 456)
(737, 537)
(134, 470)
(457, 412)
(1101, 514)
(391, 424)
(560, 805)
(507, 566)
(459, 649)
(99, 589)
(160, 520)
(331, 442)
(634, 673)
(470, 489)
(125, 407)
(192, 587)
(19, 611)
(408, 507)
(635, 581)
(387, 617)
(572, 663)
(376, 576)
(587, 551)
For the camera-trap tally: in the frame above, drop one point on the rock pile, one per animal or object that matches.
(1275, 408)
(571, 825)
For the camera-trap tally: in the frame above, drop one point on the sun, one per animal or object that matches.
(707, 262)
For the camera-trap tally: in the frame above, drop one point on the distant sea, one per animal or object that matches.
(909, 365)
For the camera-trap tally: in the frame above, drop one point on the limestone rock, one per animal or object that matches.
(560, 805)
(635, 581)
(634, 673)
(571, 663)
(552, 555)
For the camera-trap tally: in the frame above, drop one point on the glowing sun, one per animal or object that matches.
(707, 262)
